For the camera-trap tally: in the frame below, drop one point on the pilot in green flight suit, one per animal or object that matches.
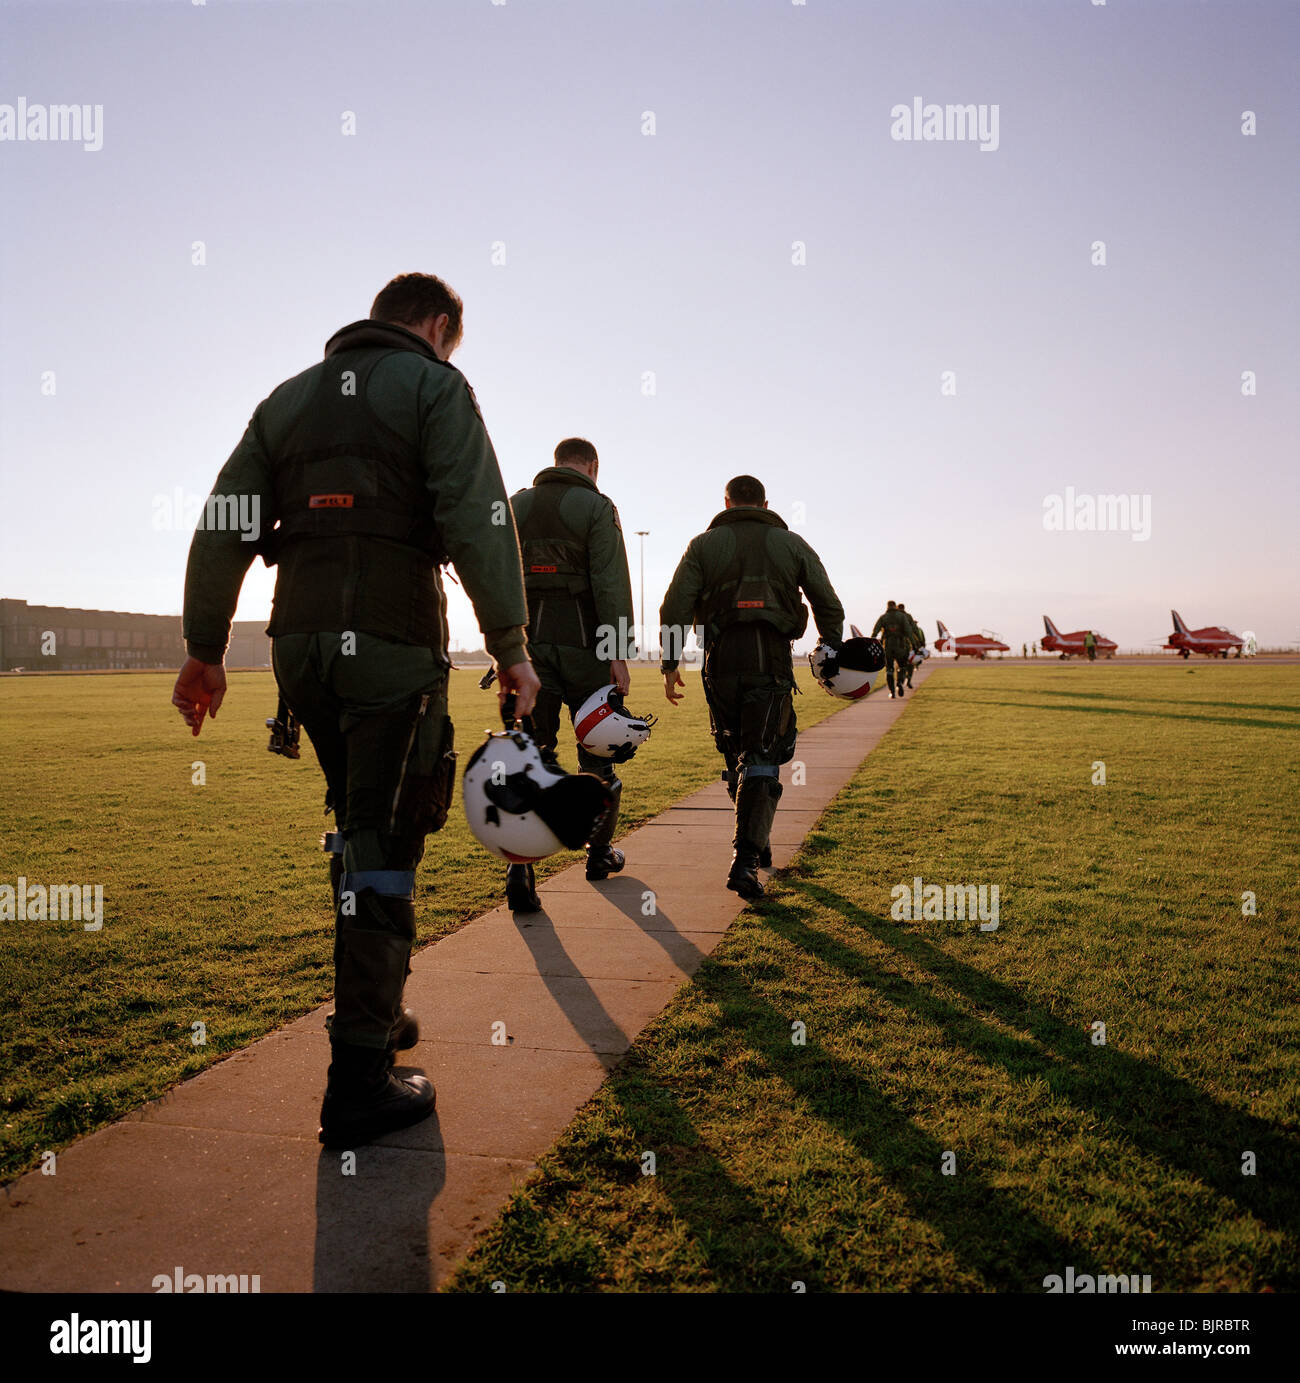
(917, 639)
(580, 623)
(374, 466)
(741, 580)
(897, 627)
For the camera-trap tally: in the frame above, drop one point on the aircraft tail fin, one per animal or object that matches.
(855, 631)
(1051, 628)
(1179, 626)
(943, 631)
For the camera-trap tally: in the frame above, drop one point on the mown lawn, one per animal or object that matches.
(216, 897)
(824, 1163)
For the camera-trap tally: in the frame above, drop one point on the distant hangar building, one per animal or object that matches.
(50, 638)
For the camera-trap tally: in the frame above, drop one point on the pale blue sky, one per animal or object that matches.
(521, 123)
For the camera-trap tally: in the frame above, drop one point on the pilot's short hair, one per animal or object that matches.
(410, 299)
(575, 449)
(745, 490)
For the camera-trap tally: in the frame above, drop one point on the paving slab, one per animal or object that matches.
(138, 1200)
(614, 948)
(521, 1018)
(273, 1088)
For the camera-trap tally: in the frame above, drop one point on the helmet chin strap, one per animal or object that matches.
(513, 722)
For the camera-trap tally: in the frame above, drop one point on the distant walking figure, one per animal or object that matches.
(741, 579)
(897, 629)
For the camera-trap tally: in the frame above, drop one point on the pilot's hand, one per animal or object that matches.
(620, 676)
(671, 680)
(200, 689)
(522, 679)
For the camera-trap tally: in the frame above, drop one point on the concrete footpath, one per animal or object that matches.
(522, 1018)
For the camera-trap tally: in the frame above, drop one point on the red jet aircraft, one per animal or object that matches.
(1066, 644)
(1212, 641)
(972, 645)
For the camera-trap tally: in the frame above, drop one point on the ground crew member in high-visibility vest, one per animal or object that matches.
(368, 471)
(580, 623)
(917, 640)
(896, 626)
(1090, 643)
(741, 581)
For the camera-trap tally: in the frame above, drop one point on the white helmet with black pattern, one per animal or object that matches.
(851, 670)
(523, 809)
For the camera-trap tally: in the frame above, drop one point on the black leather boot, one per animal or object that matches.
(363, 1099)
(406, 1034)
(521, 889)
(756, 800)
(765, 854)
(602, 859)
(743, 878)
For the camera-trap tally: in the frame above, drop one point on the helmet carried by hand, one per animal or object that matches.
(523, 809)
(851, 670)
(606, 729)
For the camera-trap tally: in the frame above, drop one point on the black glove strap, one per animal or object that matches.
(508, 716)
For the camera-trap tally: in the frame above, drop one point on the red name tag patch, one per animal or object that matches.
(330, 502)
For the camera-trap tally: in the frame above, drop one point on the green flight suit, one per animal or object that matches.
(897, 630)
(741, 581)
(916, 640)
(579, 600)
(366, 471)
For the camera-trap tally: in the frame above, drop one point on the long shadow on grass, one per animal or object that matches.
(991, 1231)
(1251, 721)
(744, 1251)
(1292, 709)
(1164, 1114)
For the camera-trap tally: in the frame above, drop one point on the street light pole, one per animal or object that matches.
(643, 534)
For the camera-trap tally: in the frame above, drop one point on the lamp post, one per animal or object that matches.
(643, 534)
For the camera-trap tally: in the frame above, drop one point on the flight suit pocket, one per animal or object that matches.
(443, 779)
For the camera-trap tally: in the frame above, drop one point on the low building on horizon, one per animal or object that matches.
(55, 638)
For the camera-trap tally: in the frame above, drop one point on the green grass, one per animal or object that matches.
(216, 897)
(1120, 903)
